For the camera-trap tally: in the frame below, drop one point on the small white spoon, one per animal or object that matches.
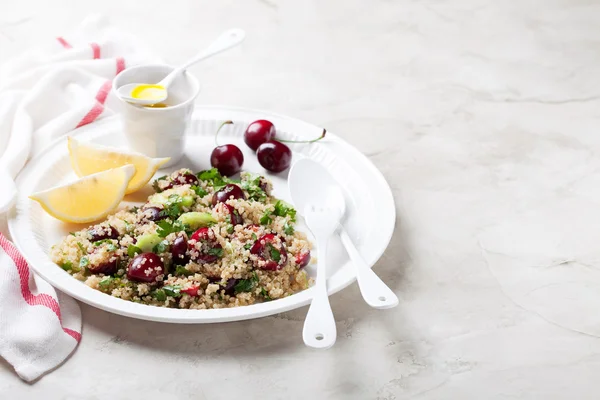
(311, 182)
(158, 92)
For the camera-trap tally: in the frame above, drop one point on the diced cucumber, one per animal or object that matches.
(147, 242)
(187, 201)
(197, 220)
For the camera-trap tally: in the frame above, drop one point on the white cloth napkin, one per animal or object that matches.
(44, 94)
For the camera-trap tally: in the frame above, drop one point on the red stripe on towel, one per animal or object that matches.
(96, 48)
(42, 299)
(63, 42)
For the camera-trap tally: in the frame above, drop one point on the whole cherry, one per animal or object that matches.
(259, 132)
(227, 158)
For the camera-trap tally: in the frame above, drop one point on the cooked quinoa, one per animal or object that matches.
(200, 241)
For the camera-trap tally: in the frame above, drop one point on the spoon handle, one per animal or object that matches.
(227, 40)
(319, 329)
(376, 293)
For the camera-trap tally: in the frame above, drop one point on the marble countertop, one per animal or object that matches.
(483, 116)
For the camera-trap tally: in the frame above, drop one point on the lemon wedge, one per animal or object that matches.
(88, 158)
(87, 199)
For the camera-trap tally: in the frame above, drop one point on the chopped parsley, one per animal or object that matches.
(132, 250)
(275, 254)
(246, 285)
(155, 183)
(161, 247)
(213, 177)
(180, 270)
(265, 294)
(172, 207)
(67, 265)
(215, 251)
(84, 262)
(106, 281)
(230, 228)
(288, 228)
(81, 247)
(254, 237)
(133, 209)
(159, 295)
(251, 184)
(199, 191)
(172, 290)
(165, 227)
(282, 209)
(72, 233)
(266, 218)
(248, 245)
(111, 246)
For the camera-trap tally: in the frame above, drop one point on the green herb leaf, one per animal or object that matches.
(266, 218)
(248, 245)
(251, 184)
(275, 254)
(84, 262)
(67, 265)
(288, 228)
(213, 177)
(81, 248)
(199, 191)
(165, 227)
(265, 294)
(111, 246)
(180, 270)
(134, 209)
(161, 247)
(215, 251)
(172, 290)
(283, 209)
(106, 281)
(132, 250)
(254, 237)
(72, 233)
(246, 285)
(172, 207)
(230, 228)
(159, 295)
(155, 183)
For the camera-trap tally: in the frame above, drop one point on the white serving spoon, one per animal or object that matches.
(311, 182)
(152, 93)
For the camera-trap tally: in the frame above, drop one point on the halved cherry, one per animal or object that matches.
(228, 191)
(302, 259)
(192, 291)
(230, 286)
(270, 251)
(180, 179)
(210, 250)
(145, 267)
(236, 218)
(101, 232)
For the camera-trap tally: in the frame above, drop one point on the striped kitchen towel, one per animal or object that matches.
(46, 93)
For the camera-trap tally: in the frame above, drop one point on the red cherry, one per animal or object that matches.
(228, 191)
(192, 291)
(274, 156)
(145, 267)
(228, 159)
(302, 259)
(206, 236)
(259, 132)
(268, 248)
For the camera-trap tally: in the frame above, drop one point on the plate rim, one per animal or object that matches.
(183, 316)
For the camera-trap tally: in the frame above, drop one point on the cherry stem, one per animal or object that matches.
(304, 141)
(219, 130)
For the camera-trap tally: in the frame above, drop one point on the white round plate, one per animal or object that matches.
(370, 218)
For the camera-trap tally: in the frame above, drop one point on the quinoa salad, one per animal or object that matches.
(200, 241)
